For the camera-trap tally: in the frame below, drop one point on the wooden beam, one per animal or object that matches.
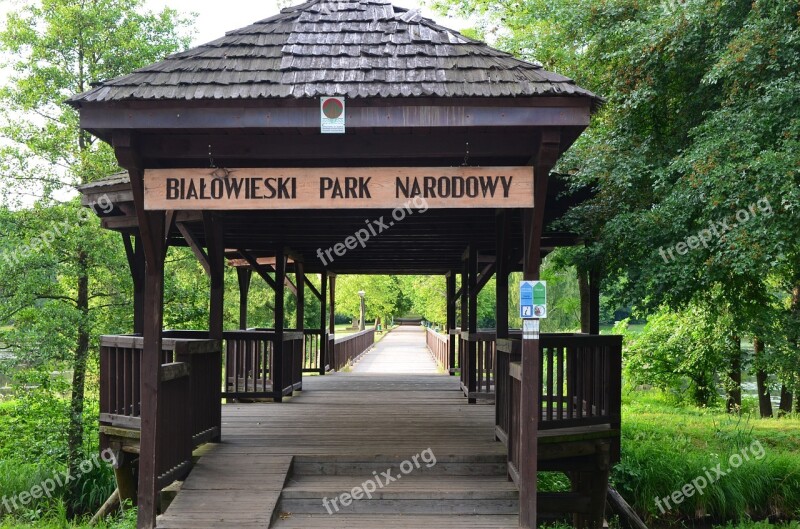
(214, 233)
(197, 250)
(136, 264)
(244, 277)
(324, 353)
(451, 318)
(533, 226)
(300, 279)
(472, 321)
(594, 301)
(502, 232)
(485, 275)
(260, 270)
(278, 368)
(151, 226)
(453, 113)
(511, 143)
(313, 289)
(332, 308)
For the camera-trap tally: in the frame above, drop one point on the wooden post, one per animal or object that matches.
(300, 280)
(594, 301)
(151, 229)
(532, 227)
(332, 321)
(332, 311)
(278, 379)
(216, 266)
(324, 354)
(501, 273)
(451, 319)
(472, 322)
(136, 264)
(244, 275)
(464, 319)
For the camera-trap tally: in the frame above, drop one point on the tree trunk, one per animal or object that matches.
(764, 398)
(75, 433)
(586, 311)
(785, 405)
(734, 403)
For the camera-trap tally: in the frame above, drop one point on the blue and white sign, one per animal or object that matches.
(532, 299)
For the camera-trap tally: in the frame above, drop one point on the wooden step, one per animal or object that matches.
(451, 465)
(393, 521)
(408, 494)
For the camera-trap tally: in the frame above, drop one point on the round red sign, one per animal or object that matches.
(332, 108)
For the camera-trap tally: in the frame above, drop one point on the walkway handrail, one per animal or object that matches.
(348, 349)
(439, 347)
(579, 385)
(254, 370)
(476, 353)
(190, 374)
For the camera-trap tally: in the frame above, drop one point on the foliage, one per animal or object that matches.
(385, 296)
(680, 352)
(694, 157)
(57, 275)
(666, 445)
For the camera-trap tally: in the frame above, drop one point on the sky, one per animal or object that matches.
(214, 18)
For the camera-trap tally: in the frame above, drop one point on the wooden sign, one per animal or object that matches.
(333, 188)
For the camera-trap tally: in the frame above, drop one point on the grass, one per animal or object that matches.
(57, 519)
(666, 446)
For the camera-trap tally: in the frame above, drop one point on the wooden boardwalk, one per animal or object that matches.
(277, 462)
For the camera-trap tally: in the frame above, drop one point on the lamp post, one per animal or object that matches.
(361, 321)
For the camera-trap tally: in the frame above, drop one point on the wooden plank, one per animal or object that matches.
(334, 188)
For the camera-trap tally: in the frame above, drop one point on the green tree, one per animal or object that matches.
(701, 123)
(59, 48)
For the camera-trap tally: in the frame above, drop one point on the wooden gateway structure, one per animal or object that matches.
(433, 158)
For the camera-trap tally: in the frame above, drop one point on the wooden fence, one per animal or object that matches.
(579, 385)
(190, 408)
(348, 349)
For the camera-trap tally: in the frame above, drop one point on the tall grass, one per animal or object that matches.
(666, 446)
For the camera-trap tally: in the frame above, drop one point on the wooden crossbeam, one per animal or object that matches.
(197, 250)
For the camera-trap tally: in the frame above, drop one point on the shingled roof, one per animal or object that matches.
(357, 49)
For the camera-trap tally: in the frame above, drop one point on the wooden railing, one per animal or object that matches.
(476, 355)
(189, 396)
(312, 352)
(257, 366)
(580, 385)
(439, 346)
(348, 349)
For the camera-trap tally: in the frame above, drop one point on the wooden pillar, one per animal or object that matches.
(324, 354)
(332, 311)
(300, 281)
(244, 275)
(594, 301)
(532, 228)
(451, 319)
(152, 232)
(332, 322)
(216, 267)
(279, 380)
(464, 319)
(136, 264)
(501, 273)
(472, 322)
